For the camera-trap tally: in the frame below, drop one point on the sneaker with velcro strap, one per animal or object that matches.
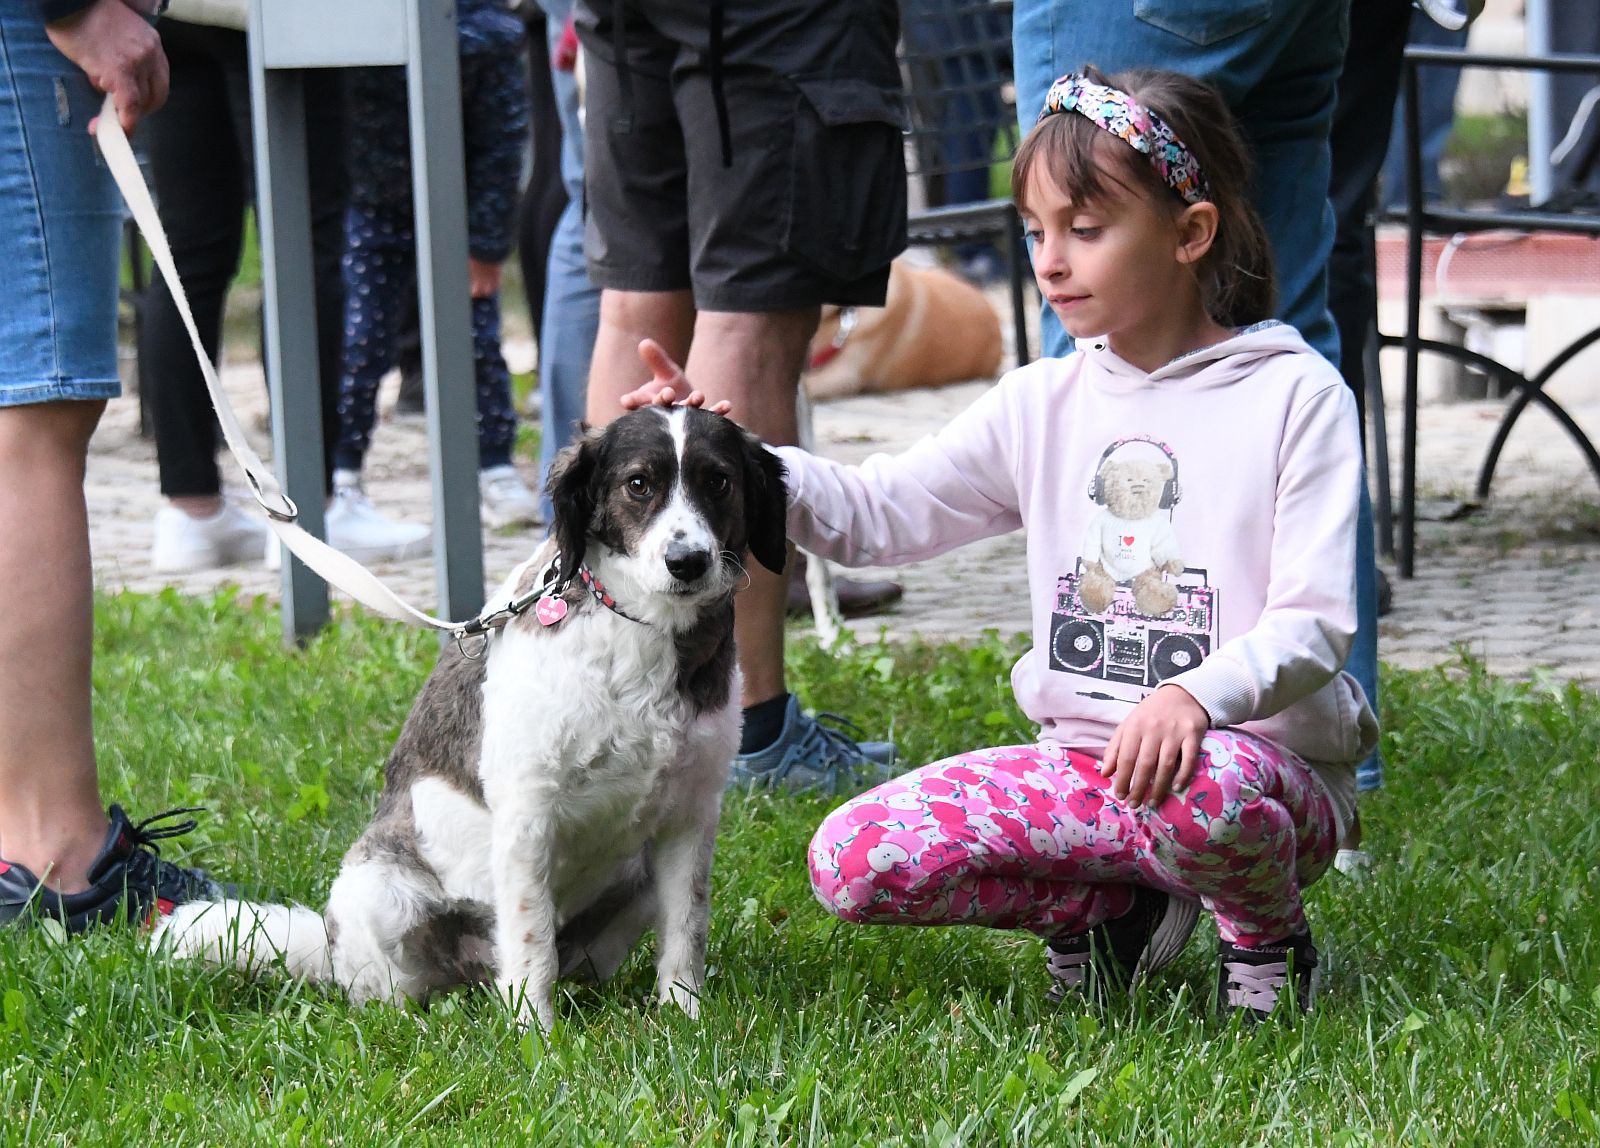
(129, 882)
(1116, 954)
(1254, 982)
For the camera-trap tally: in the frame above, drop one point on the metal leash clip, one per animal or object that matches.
(490, 620)
(285, 515)
(479, 628)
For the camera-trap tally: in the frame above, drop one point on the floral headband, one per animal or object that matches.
(1130, 121)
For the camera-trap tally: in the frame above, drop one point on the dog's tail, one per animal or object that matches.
(249, 936)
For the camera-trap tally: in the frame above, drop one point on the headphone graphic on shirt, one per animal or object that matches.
(1171, 492)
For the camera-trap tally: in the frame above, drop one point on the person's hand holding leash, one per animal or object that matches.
(667, 383)
(1155, 749)
(120, 53)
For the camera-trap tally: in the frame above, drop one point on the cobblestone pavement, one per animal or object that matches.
(1516, 583)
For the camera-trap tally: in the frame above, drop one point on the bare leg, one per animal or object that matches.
(1352, 837)
(754, 361)
(626, 317)
(51, 818)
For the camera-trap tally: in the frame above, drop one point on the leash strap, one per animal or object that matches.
(339, 570)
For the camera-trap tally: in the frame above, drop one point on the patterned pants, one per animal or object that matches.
(379, 273)
(1030, 837)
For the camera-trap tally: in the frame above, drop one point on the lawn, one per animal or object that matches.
(1462, 1006)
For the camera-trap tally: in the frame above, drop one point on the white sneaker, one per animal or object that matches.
(504, 499)
(354, 526)
(184, 543)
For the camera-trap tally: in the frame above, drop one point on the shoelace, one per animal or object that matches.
(828, 750)
(172, 880)
(147, 833)
(850, 729)
(1256, 986)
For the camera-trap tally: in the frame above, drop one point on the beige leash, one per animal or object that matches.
(337, 569)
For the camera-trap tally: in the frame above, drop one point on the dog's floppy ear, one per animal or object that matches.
(573, 493)
(766, 505)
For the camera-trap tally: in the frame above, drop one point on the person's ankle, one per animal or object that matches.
(60, 859)
(763, 723)
(197, 505)
(1352, 835)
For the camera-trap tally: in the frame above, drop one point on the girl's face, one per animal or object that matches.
(1120, 267)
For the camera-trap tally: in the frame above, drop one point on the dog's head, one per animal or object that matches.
(676, 494)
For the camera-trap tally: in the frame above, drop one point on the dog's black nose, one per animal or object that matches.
(687, 563)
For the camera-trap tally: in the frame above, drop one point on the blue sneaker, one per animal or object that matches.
(809, 755)
(128, 881)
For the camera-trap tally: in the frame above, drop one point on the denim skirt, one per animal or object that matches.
(60, 219)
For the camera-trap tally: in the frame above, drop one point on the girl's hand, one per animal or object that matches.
(1157, 746)
(667, 383)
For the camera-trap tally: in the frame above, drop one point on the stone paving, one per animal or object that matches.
(1516, 583)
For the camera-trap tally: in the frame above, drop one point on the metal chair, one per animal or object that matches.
(955, 58)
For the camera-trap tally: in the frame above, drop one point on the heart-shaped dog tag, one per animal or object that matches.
(550, 610)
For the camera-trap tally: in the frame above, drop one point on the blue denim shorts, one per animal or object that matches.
(60, 219)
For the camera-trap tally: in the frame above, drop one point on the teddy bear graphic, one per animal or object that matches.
(1130, 539)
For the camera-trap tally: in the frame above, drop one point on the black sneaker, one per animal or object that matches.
(1115, 954)
(1252, 981)
(128, 881)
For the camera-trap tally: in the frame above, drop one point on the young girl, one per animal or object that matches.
(1188, 479)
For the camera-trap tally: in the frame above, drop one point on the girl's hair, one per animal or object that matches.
(1237, 282)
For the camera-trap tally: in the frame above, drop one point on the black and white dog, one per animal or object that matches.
(547, 803)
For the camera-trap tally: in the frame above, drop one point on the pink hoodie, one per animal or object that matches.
(1195, 524)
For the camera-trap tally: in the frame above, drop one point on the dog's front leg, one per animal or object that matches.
(525, 916)
(683, 891)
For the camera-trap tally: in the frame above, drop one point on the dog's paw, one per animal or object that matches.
(684, 997)
(529, 1006)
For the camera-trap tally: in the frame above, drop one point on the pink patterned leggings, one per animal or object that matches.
(1030, 837)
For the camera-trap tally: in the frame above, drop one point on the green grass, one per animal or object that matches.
(1462, 1008)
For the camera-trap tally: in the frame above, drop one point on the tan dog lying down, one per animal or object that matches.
(934, 328)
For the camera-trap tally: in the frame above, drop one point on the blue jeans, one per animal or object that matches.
(60, 219)
(1276, 63)
(571, 317)
(1362, 661)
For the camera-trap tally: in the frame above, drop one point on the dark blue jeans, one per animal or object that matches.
(571, 317)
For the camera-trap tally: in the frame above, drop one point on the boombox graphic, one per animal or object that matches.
(1122, 645)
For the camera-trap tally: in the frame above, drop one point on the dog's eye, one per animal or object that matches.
(719, 485)
(640, 486)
